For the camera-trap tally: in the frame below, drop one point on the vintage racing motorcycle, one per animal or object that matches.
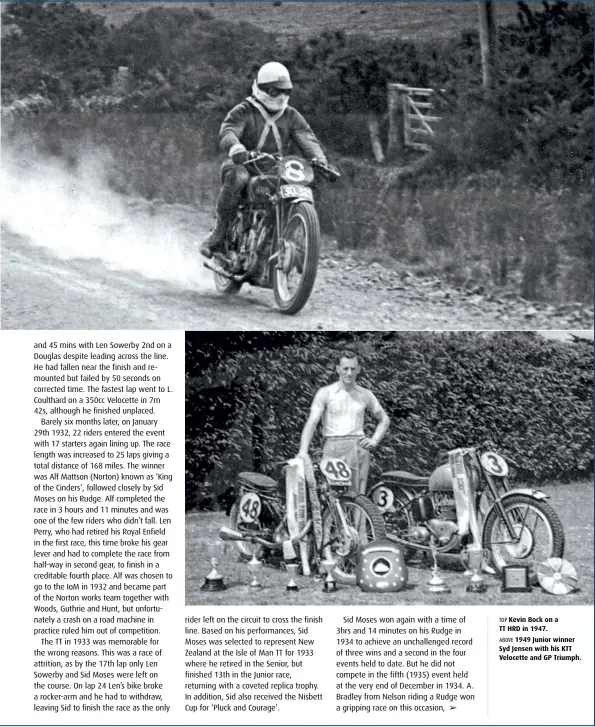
(260, 524)
(274, 241)
(517, 525)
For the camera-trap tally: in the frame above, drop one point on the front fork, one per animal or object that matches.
(347, 534)
(276, 252)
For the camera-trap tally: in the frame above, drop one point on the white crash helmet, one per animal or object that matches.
(273, 75)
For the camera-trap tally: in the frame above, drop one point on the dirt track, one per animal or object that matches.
(133, 278)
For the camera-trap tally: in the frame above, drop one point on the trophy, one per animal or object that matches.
(436, 584)
(330, 585)
(475, 557)
(214, 580)
(255, 566)
(292, 569)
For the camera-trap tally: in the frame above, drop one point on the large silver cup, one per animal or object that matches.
(255, 566)
(213, 579)
(436, 583)
(328, 566)
(475, 559)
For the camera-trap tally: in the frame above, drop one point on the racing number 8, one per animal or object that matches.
(250, 507)
(338, 470)
(294, 170)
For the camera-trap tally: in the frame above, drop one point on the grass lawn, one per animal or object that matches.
(573, 502)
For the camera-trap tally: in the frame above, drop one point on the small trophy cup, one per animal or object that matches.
(436, 584)
(214, 580)
(475, 556)
(255, 566)
(292, 569)
(329, 585)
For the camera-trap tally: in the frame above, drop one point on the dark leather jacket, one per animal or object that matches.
(244, 125)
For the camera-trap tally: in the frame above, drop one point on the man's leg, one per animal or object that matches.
(363, 467)
(235, 178)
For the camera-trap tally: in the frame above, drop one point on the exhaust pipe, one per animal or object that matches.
(228, 534)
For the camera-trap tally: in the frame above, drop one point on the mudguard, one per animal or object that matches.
(537, 494)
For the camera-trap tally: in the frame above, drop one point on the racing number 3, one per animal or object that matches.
(495, 465)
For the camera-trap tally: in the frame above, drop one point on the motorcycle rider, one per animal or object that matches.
(263, 122)
(342, 406)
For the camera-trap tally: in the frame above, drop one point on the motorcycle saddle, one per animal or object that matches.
(401, 475)
(258, 480)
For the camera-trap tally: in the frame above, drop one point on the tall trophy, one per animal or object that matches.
(213, 579)
(436, 584)
(475, 559)
(255, 566)
(329, 585)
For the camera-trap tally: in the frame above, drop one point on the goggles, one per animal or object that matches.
(274, 92)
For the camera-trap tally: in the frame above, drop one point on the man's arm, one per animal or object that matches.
(308, 432)
(232, 129)
(311, 423)
(305, 138)
(381, 428)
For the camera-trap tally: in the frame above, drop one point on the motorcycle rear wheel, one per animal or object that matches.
(361, 513)
(225, 285)
(300, 251)
(539, 534)
(399, 523)
(222, 284)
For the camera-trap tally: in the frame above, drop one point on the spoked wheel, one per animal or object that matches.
(244, 547)
(400, 523)
(538, 534)
(299, 249)
(364, 524)
(225, 285)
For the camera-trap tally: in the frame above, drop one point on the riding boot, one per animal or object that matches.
(210, 244)
(234, 181)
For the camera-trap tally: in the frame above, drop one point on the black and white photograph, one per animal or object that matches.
(389, 468)
(297, 165)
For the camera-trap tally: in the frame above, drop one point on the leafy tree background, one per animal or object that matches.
(541, 113)
(248, 397)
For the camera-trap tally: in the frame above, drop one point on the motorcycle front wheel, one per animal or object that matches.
(245, 548)
(538, 533)
(299, 250)
(365, 524)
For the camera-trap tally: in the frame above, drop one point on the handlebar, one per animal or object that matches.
(331, 172)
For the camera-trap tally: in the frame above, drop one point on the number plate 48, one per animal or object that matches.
(250, 507)
(336, 471)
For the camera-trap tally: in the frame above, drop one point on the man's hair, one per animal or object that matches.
(347, 353)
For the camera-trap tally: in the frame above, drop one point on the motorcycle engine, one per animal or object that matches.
(418, 534)
(444, 506)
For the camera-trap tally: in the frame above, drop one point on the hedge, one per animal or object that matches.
(531, 397)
